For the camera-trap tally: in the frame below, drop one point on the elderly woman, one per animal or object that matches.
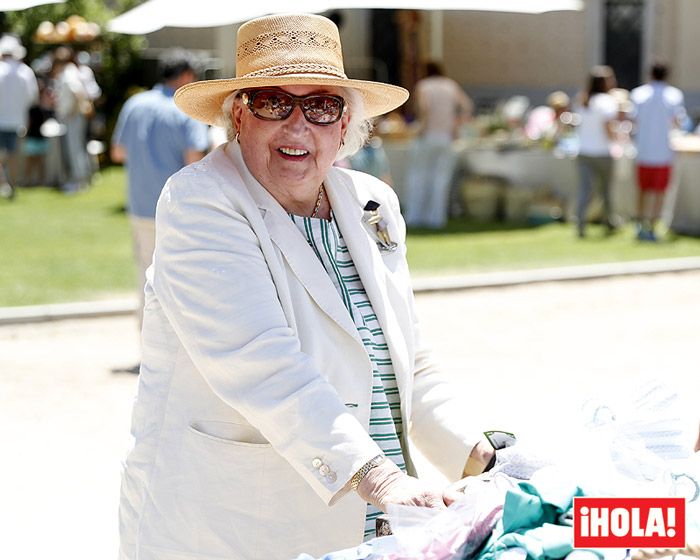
(282, 370)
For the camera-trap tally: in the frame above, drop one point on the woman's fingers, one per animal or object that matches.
(386, 484)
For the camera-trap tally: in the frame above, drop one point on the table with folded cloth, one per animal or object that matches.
(535, 171)
(631, 443)
(684, 194)
(524, 173)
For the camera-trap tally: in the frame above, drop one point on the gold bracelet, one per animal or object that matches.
(364, 469)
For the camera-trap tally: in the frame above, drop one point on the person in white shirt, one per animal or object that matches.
(72, 107)
(87, 76)
(18, 91)
(598, 110)
(442, 106)
(658, 108)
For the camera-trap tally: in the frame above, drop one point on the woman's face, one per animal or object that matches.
(291, 155)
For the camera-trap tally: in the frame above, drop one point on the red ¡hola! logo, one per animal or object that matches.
(629, 522)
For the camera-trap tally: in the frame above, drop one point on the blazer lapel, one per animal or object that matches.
(309, 270)
(300, 257)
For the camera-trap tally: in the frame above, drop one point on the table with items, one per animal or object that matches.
(519, 182)
(637, 445)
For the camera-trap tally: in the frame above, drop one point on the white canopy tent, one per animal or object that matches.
(13, 5)
(153, 15)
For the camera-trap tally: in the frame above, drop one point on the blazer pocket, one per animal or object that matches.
(229, 433)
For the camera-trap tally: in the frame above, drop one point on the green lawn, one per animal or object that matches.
(61, 248)
(468, 247)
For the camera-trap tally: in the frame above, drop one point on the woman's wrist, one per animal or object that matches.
(359, 476)
(375, 485)
(480, 458)
(483, 455)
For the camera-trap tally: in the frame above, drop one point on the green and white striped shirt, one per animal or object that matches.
(385, 424)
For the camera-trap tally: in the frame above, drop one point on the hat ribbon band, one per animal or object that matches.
(304, 68)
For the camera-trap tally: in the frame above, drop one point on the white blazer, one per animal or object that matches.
(254, 376)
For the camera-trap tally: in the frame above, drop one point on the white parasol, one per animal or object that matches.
(153, 15)
(12, 5)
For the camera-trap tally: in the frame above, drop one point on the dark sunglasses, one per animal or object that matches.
(275, 105)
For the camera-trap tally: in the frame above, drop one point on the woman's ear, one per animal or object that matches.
(237, 113)
(344, 120)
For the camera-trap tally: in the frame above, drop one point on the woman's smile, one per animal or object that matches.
(293, 154)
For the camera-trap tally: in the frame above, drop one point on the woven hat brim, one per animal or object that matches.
(202, 100)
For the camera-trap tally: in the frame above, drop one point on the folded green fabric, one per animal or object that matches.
(531, 520)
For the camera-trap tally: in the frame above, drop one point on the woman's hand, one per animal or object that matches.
(387, 484)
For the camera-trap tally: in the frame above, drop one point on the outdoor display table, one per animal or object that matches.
(527, 170)
(684, 196)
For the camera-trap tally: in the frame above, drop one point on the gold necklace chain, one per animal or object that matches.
(318, 202)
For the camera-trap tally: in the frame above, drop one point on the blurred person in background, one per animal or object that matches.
(73, 107)
(544, 121)
(87, 76)
(622, 144)
(36, 145)
(155, 139)
(598, 112)
(18, 91)
(513, 111)
(658, 108)
(372, 159)
(95, 120)
(442, 106)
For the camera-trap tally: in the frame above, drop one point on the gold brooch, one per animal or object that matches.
(374, 218)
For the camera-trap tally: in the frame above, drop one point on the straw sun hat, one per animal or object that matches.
(285, 50)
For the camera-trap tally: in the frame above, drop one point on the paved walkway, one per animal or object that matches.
(524, 356)
(421, 284)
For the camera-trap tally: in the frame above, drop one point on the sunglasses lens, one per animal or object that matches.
(322, 109)
(272, 105)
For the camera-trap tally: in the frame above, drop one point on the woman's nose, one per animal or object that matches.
(296, 119)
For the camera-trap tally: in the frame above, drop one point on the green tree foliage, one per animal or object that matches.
(119, 55)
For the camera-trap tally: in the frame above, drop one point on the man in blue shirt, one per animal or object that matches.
(155, 139)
